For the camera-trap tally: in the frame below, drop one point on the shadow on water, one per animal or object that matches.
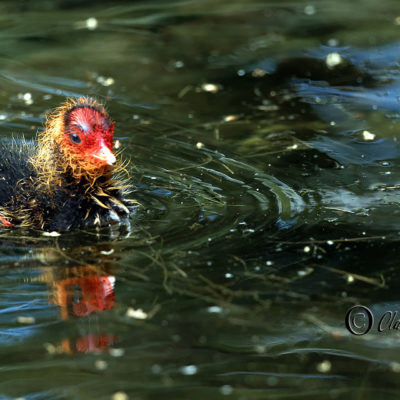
(264, 155)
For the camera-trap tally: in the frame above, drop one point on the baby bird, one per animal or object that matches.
(71, 179)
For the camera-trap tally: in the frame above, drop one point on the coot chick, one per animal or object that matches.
(70, 179)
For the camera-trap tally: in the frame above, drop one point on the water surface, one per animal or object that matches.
(262, 139)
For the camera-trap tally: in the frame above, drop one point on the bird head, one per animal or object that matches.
(83, 132)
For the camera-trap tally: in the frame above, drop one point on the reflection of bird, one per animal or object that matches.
(71, 179)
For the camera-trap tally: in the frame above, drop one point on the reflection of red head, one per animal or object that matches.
(90, 343)
(81, 296)
(97, 295)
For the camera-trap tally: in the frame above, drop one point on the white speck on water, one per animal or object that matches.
(119, 396)
(333, 60)
(395, 366)
(189, 370)
(228, 275)
(324, 366)
(179, 64)
(51, 234)
(241, 72)
(91, 23)
(307, 249)
(105, 81)
(210, 87)
(333, 42)
(269, 263)
(199, 145)
(309, 9)
(368, 136)
(116, 352)
(137, 314)
(350, 278)
(226, 390)
(214, 309)
(229, 118)
(26, 320)
(330, 242)
(101, 365)
(107, 253)
(156, 369)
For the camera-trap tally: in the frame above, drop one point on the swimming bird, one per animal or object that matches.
(70, 178)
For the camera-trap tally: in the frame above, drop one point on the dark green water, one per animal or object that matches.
(264, 153)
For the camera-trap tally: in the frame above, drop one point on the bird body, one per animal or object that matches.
(70, 179)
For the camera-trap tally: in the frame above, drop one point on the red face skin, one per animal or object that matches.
(88, 137)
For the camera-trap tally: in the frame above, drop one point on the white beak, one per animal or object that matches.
(106, 155)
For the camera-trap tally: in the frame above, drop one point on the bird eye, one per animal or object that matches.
(75, 138)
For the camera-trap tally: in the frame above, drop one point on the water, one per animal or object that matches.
(262, 139)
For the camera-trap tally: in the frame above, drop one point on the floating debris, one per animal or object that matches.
(26, 320)
(209, 87)
(101, 365)
(324, 366)
(137, 314)
(116, 352)
(26, 98)
(91, 23)
(51, 234)
(309, 9)
(189, 370)
(258, 73)
(214, 309)
(105, 81)
(226, 390)
(333, 60)
(119, 396)
(107, 253)
(230, 118)
(368, 136)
